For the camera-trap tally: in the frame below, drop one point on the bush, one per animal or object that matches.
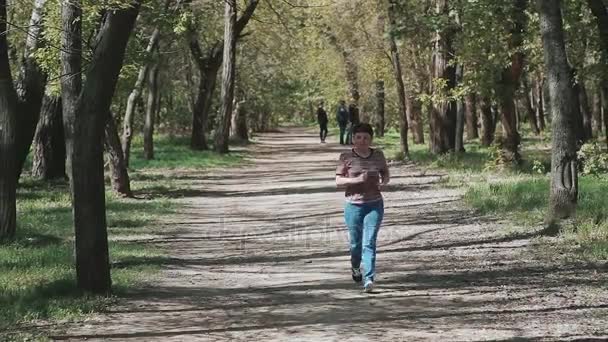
(592, 160)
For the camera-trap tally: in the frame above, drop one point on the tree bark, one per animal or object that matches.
(600, 12)
(488, 123)
(397, 71)
(459, 134)
(597, 111)
(528, 104)
(414, 115)
(470, 108)
(604, 90)
(151, 104)
(510, 78)
(119, 174)
(86, 172)
(540, 109)
(228, 76)
(380, 108)
(49, 141)
(240, 131)
(208, 66)
(585, 110)
(30, 87)
(443, 112)
(135, 97)
(8, 137)
(564, 177)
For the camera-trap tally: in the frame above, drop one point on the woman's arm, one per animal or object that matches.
(342, 180)
(386, 176)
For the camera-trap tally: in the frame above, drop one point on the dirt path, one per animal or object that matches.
(260, 254)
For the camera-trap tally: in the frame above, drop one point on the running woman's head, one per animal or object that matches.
(363, 134)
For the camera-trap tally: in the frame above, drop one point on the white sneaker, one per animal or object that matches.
(368, 287)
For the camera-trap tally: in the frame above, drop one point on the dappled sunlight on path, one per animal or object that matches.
(260, 253)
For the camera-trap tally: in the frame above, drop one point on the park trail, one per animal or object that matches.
(259, 253)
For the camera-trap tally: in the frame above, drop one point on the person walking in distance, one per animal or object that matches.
(362, 171)
(322, 120)
(353, 120)
(342, 118)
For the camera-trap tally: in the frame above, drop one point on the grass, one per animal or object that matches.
(37, 274)
(175, 153)
(526, 201)
(519, 194)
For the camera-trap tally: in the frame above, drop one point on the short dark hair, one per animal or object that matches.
(363, 128)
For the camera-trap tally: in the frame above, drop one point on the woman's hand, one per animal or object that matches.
(362, 178)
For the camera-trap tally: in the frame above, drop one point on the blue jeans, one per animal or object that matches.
(363, 222)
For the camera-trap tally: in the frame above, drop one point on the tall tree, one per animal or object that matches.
(208, 64)
(488, 121)
(30, 86)
(540, 108)
(151, 105)
(564, 104)
(508, 85)
(401, 91)
(119, 174)
(530, 111)
(380, 112)
(443, 112)
(8, 137)
(470, 108)
(228, 76)
(48, 160)
(135, 97)
(600, 12)
(89, 116)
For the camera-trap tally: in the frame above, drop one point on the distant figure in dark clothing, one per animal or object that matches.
(322, 120)
(353, 120)
(342, 118)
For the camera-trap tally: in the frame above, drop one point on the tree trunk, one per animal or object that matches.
(8, 137)
(528, 104)
(443, 113)
(604, 90)
(414, 110)
(135, 98)
(90, 117)
(488, 123)
(585, 111)
(49, 141)
(540, 109)
(240, 131)
(600, 12)
(380, 100)
(208, 68)
(597, 111)
(228, 76)
(119, 175)
(401, 91)
(151, 112)
(510, 78)
(459, 134)
(470, 109)
(30, 87)
(564, 178)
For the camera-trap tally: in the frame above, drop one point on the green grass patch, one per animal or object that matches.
(525, 199)
(37, 273)
(175, 153)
